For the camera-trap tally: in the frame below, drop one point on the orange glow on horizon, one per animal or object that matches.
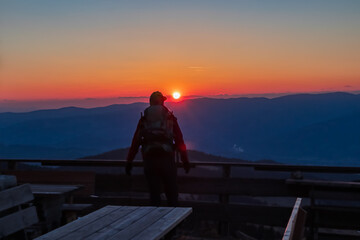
(109, 50)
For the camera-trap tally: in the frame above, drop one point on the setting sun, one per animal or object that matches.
(176, 95)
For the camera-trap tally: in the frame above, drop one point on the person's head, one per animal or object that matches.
(157, 98)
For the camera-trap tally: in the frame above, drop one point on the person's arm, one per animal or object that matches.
(180, 145)
(134, 148)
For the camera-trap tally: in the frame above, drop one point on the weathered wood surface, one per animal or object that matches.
(7, 181)
(47, 189)
(164, 224)
(340, 233)
(251, 213)
(15, 196)
(295, 227)
(17, 221)
(52, 177)
(74, 226)
(122, 222)
(324, 184)
(13, 218)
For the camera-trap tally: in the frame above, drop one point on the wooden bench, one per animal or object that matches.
(330, 206)
(296, 225)
(16, 213)
(122, 222)
(7, 181)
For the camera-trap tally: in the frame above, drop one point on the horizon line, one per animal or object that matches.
(225, 95)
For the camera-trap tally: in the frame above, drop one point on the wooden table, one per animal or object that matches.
(49, 201)
(122, 222)
(51, 190)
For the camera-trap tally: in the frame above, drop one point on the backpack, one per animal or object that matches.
(157, 131)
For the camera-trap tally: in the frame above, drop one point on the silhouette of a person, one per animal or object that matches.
(159, 135)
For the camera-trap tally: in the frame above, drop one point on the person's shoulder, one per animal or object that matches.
(147, 109)
(171, 114)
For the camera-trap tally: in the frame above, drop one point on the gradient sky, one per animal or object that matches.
(78, 49)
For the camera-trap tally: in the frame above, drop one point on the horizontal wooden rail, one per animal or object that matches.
(121, 163)
(199, 185)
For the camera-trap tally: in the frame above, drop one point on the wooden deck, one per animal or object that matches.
(227, 197)
(122, 222)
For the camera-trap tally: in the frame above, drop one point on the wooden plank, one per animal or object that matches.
(197, 185)
(17, 221)
(142, 223)
(55, 177)
(257, 166)
(321, 183)
(68, 228)
(120, 224)
(47, 189)
(161, 227)
(85, 231)
(339, 232)
(15, 196)
(293, 230)
(7, 181)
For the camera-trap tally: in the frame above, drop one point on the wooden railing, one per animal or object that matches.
(226, 165)
(295, 227)
(121, 189)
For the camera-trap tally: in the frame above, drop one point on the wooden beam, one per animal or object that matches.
(17, 221)
(15, 196)
(256, 166)
(120, 224)
(295, 227)
(197, 185)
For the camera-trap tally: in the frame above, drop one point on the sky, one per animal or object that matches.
(109, 49)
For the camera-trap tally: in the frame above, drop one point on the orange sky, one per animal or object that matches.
(77, 51)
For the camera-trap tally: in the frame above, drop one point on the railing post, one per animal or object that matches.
(224, 200)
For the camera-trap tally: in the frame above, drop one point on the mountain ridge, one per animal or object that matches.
(248, 128)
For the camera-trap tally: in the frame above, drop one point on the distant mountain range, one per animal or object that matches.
(321, 129)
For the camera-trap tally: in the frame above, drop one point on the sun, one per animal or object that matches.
(176, 95)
